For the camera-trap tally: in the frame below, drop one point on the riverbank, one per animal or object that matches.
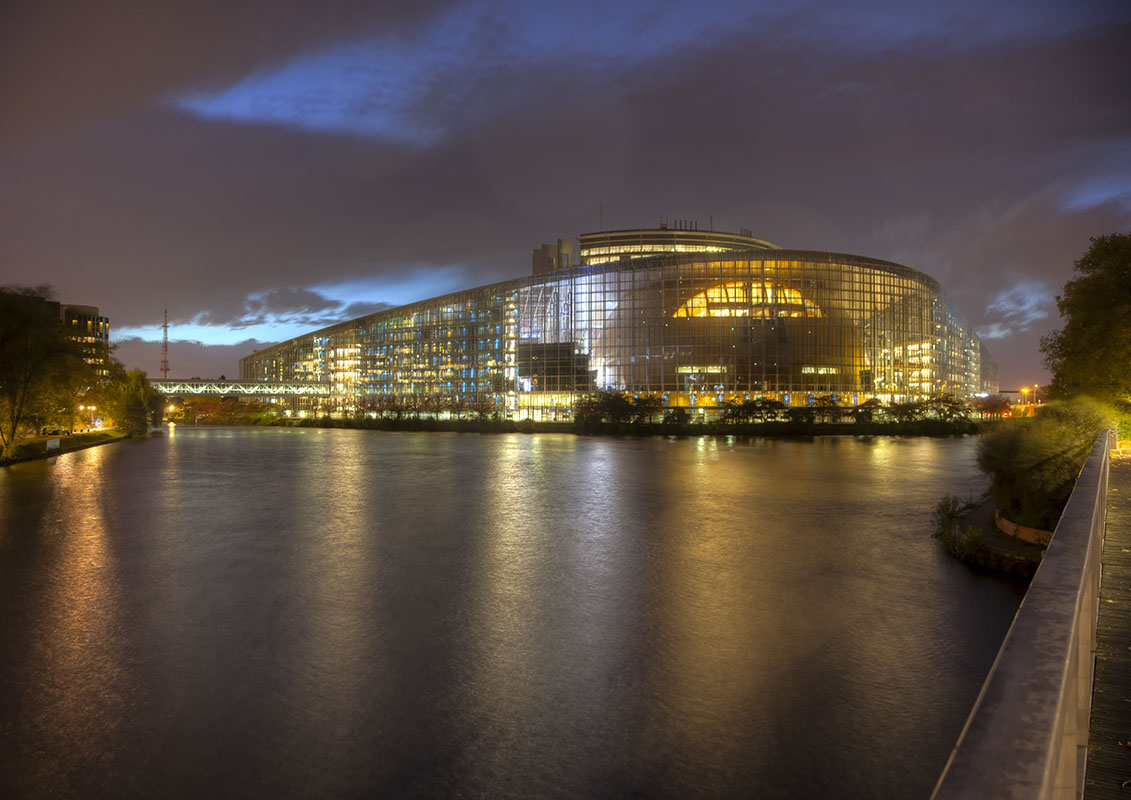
(796, 429)
(996, 550)
(37, 448)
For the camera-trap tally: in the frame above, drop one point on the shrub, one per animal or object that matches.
(1033, 464)
(961, 542)
(676, 416)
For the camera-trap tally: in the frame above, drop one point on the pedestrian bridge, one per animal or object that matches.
(226, 388)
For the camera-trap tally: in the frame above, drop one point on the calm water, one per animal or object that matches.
(237, 612)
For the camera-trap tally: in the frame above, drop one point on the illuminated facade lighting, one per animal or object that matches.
(739, 318)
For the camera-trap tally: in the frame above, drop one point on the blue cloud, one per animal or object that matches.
(410, 91)
(993, 331)
(280, 314)
(365, 89)
(212, 334)
(1018, 307)
(399, 288)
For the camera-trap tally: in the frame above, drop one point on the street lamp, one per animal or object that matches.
(91, 410)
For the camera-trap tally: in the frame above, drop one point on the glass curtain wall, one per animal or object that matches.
(695, 331)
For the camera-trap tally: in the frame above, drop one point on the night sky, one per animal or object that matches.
(267, 168)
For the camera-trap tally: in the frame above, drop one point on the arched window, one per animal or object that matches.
(762, 299)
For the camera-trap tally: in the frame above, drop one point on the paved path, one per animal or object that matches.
(1109, 737)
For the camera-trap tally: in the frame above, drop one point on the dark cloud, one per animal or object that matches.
(363, 309)
(289, 306)
(976, 159)
(278, 303)
(187, 359)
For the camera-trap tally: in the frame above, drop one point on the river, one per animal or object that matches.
(223, 612)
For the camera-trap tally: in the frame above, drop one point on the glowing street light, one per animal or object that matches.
(91, 409)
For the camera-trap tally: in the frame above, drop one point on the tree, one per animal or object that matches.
(65, 383)
(1091, 354)
(906, 412)
(459, 406)
(611, 406)
(677, 415)
(646, 407)
(483, 408)
(827, 408)
(31, 341)
(948, 408)
(801, 414)
(865, 413)
(765, 409)
(734, 411)
(134, 404)
(992, 406)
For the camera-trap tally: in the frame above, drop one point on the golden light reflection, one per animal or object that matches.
(715, 618)
(508, 627)
(82, 609)
(334, 573)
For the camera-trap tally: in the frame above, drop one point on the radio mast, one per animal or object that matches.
(165, 345)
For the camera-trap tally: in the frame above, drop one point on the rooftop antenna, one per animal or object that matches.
(165, 345)
(601, 217)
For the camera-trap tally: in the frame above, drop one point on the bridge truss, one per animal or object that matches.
(226, 388)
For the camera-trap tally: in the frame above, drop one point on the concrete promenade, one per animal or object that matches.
(1109, 735)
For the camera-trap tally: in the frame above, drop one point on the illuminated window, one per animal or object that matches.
(756, 299)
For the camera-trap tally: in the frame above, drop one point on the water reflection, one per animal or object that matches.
(251, 611)
(73, 630)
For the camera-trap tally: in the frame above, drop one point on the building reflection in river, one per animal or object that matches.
(251, 611)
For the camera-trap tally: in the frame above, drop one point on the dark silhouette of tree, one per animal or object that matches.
(802, 414)
(991, 406)
(865, 413)
(765, 409)
(1091, 354)
(32, 341)
(459, 406)
(734, 411)
(414, 405)
(677, 415)
(483, 409)
(826, 407)
(909, 411)
(646, 407)
(948, 408)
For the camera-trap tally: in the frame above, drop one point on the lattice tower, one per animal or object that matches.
(165, 345)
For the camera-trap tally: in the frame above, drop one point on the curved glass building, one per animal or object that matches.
(695, 318)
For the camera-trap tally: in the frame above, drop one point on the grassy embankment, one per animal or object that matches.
(37, 447)
(1032, 465)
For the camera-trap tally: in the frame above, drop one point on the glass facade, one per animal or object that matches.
(693, 329)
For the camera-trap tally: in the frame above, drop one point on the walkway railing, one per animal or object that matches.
(1028, 732)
